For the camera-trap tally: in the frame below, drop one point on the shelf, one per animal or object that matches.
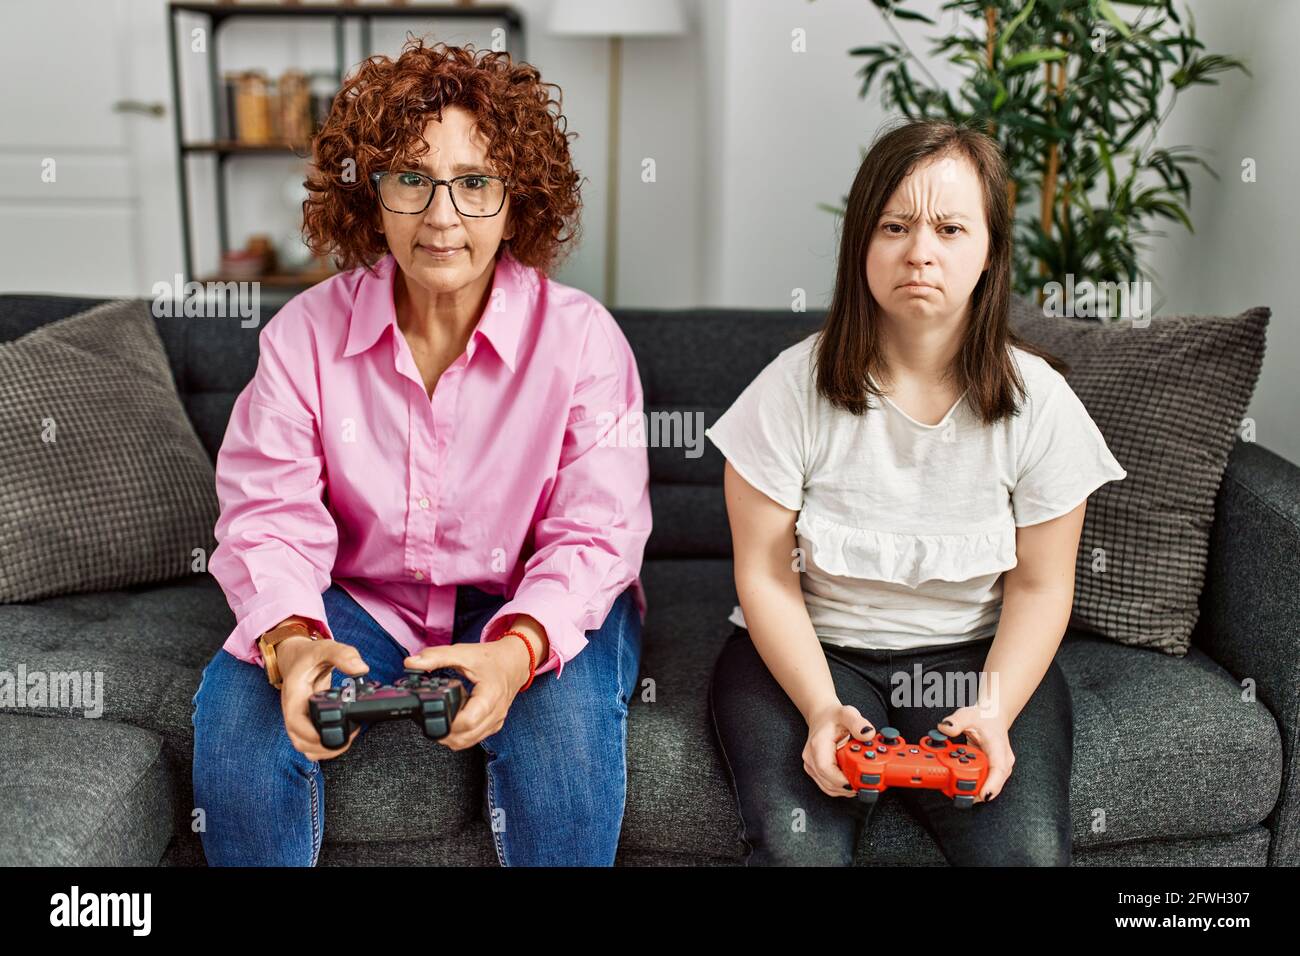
(227, 147)
(279, 279)
(225, 11)
(341, 18)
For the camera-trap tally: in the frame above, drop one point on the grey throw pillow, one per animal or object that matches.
(1169, 399)
(103, 482)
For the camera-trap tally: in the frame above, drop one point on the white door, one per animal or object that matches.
(83, 153)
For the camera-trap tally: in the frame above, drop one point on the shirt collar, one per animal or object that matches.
(510, 302)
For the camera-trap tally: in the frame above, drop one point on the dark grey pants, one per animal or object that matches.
(787, 819)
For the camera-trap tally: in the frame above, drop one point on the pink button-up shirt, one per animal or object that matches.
(338, 468)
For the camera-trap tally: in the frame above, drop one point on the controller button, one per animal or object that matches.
(855, 747)
(965, 784)
(870, 755)
(913, 750)
(870, 778)
(937, 739)
(962, 802)
(333, 737)
(888, 735)
(961, 750)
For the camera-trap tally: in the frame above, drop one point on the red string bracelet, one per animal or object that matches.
(532, 656)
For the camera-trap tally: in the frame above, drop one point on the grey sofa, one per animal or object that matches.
(1187, 771)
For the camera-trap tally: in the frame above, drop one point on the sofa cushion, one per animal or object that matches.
(103, 482)
(1164, 747)
(1149, 732)
(151, 644)
(1169, 398)
(81, 792)
(1149, 729)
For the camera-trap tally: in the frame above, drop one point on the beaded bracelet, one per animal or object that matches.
(532, 656)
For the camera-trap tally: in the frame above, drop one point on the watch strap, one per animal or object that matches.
(268, 641)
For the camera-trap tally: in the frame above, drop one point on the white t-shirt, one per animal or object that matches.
(905, 528)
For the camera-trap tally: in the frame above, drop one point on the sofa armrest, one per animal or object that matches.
(1250, 607)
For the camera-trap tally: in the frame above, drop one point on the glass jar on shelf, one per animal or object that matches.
(254, 122)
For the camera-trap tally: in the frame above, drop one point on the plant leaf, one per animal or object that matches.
(1030, 57)
(910, 15)
(1013, 25)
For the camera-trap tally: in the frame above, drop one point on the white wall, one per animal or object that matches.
(1245, 247)
(749, 136)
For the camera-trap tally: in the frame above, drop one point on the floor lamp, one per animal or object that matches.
(615, 19)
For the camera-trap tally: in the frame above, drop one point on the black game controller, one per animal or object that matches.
(432, 702)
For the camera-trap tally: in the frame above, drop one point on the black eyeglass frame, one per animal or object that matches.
(375, 177)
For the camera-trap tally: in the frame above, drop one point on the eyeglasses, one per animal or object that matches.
(409, 193)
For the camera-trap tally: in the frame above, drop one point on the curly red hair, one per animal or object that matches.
(377, 122)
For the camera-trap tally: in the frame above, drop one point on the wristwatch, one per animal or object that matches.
(266, 644)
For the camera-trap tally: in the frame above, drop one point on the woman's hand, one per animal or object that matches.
(306, 667)
(989, 733)
(497, 669)
(826, 728)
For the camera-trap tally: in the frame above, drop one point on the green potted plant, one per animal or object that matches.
(1072, 90)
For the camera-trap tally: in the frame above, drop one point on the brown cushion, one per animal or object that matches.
(103, 482)
(1169, 399)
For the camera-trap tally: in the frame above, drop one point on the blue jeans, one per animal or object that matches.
(557, 767)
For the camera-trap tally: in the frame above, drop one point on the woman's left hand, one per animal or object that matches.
(497, 670)
(989, 733)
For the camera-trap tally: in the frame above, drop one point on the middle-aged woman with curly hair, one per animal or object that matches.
(421, 475)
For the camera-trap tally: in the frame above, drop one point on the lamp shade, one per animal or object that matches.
(617, 18)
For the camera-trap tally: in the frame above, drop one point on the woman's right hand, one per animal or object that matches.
(826, 728)
(306, 667)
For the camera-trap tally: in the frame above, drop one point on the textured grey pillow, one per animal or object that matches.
(124, 492)
(1169, 399)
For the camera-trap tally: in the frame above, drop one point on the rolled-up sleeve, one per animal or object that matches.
(591, 539)
(276, 540)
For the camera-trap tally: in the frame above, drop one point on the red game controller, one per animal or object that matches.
(935, 763)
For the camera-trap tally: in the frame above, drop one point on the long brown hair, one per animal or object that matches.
(849, 345)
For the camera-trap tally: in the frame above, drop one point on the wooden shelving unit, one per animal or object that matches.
(223, 151)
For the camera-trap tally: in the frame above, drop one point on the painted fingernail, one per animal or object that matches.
(988, 796)
(848, 786)
(865, 730)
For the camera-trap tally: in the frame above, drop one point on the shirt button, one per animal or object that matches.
(419, 575)
(424, 502)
